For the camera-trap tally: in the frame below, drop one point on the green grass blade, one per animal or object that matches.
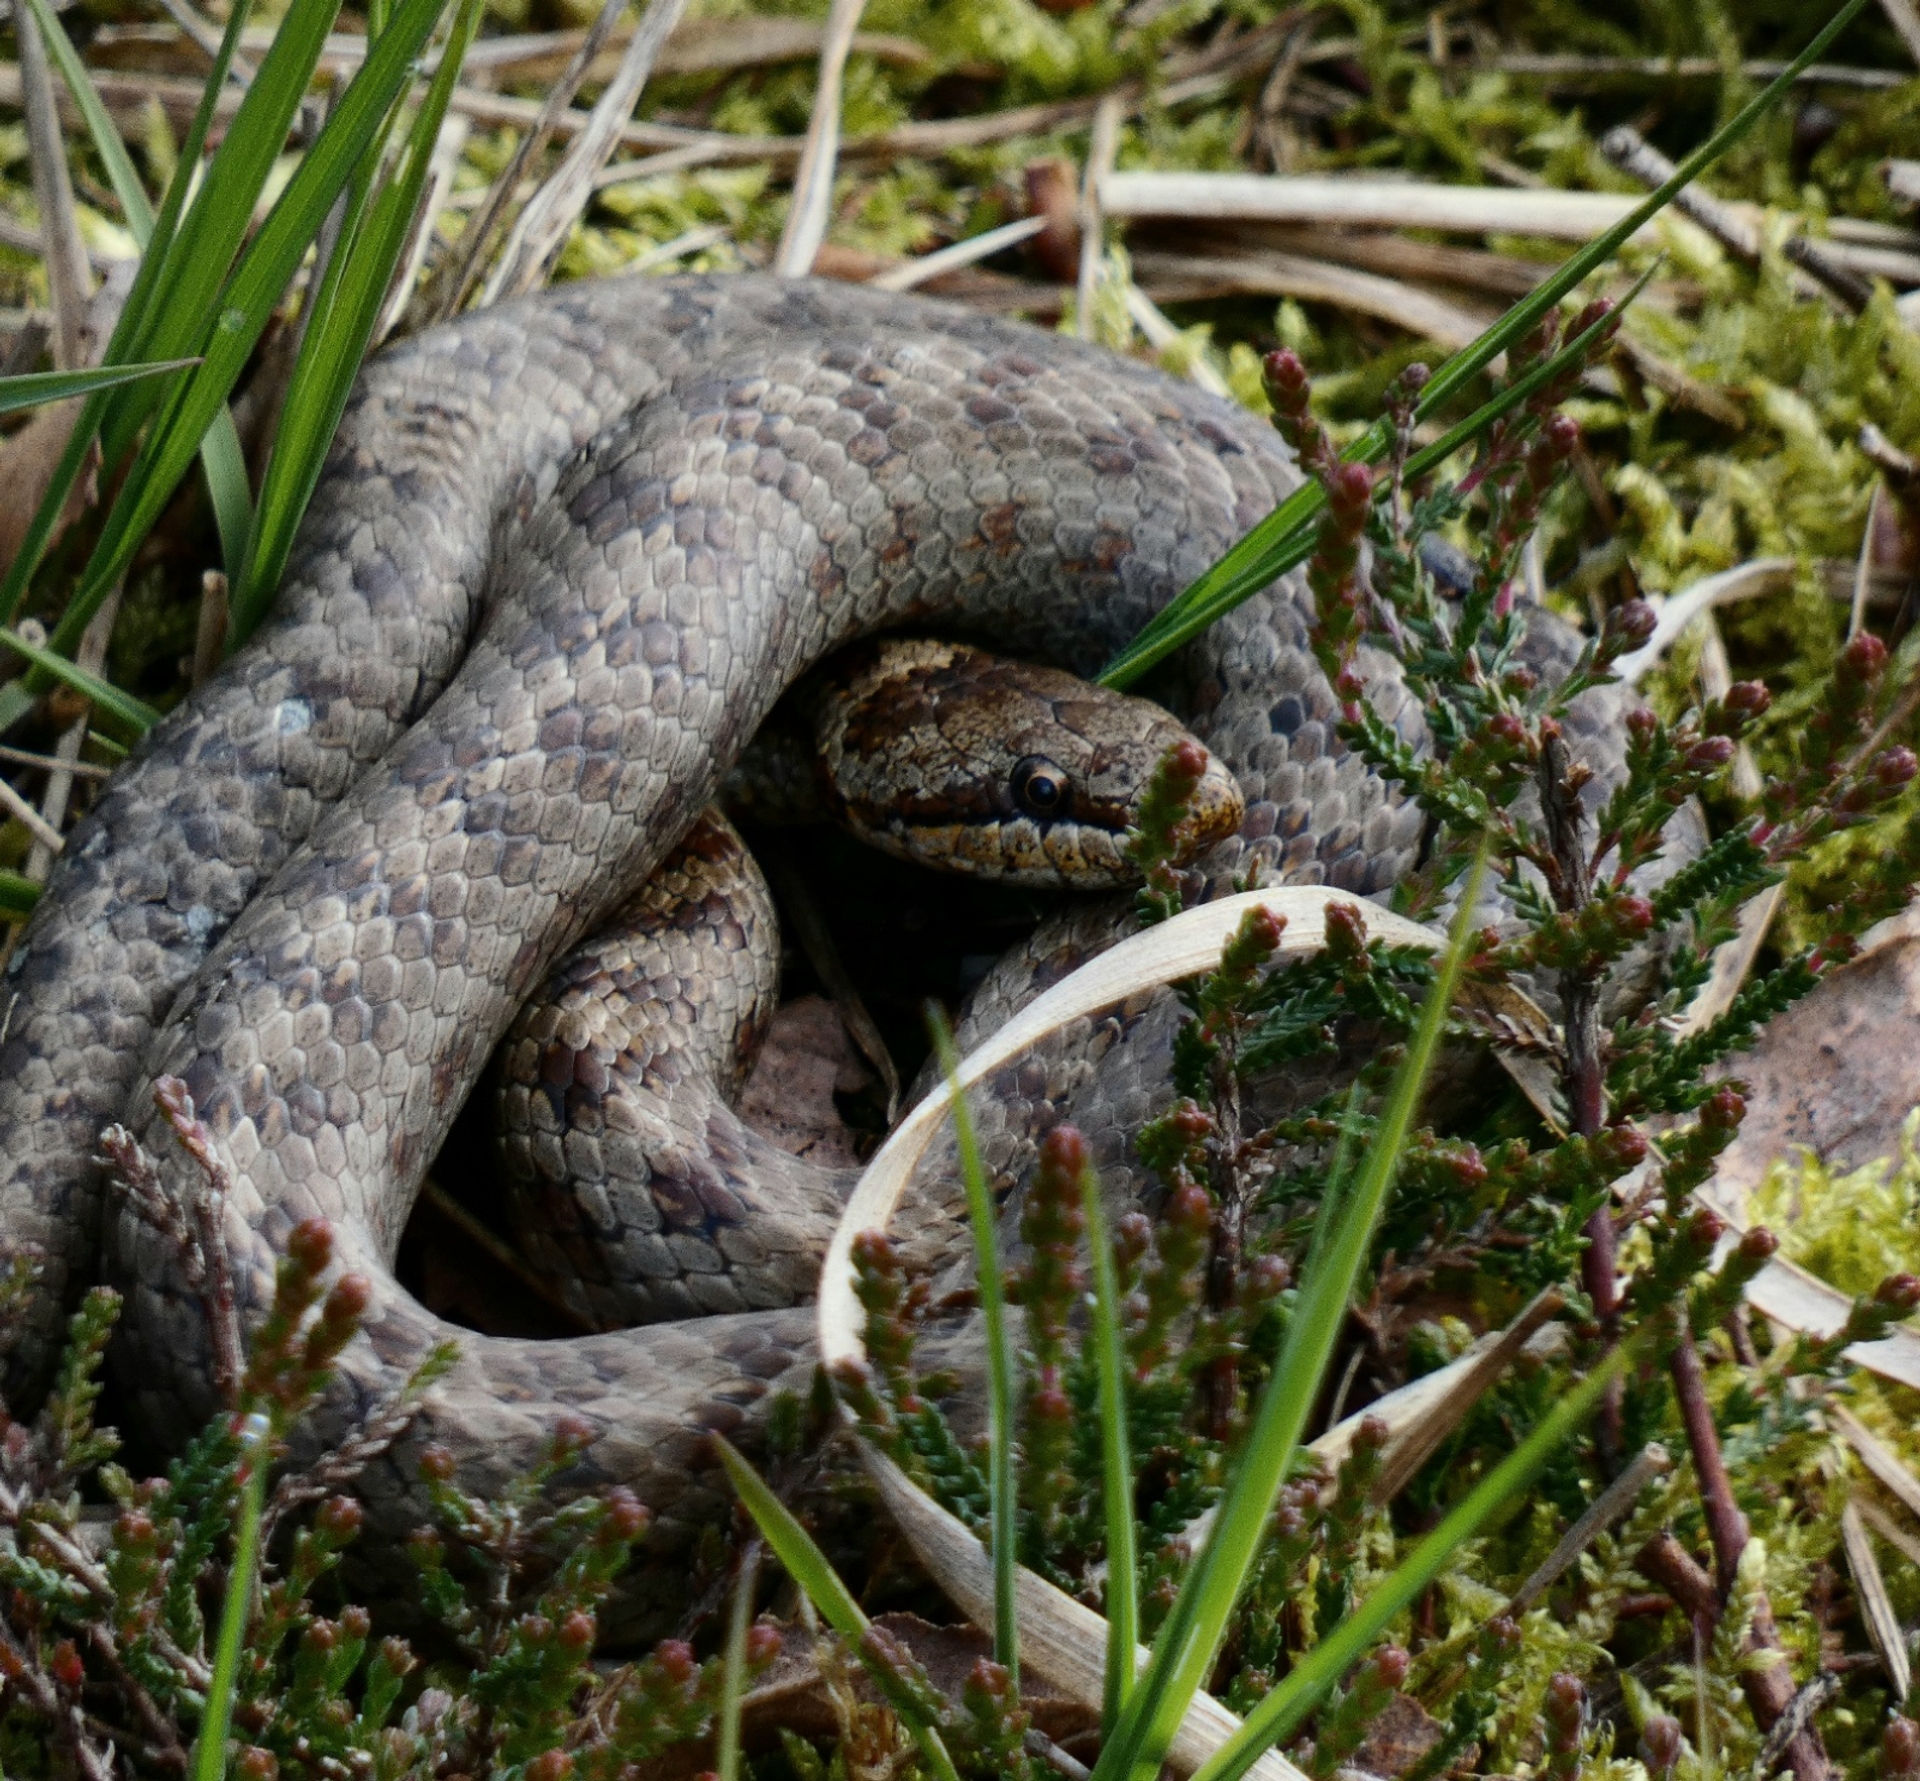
(336, 341)
(1279, 1715)
(1248, 565)
(247, 303)
(1190, 1640)
(807, 1565)
(37, 387)
(210, 1748)
(17, 896)
(1003, 1508)
(1295, 524)
(1116, 1461)
(188, 306)
(136, 714)
(733, 1679)
(127, 343)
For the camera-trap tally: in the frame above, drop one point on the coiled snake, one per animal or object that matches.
(565, 556)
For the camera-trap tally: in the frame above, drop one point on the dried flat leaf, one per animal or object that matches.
(806, 1060)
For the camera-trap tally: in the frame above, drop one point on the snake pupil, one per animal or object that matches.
(1039, 787)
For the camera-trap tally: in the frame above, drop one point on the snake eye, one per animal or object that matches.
(1039, 787)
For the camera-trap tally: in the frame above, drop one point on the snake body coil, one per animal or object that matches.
(565, 556)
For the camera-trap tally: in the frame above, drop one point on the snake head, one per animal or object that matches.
(967, 762)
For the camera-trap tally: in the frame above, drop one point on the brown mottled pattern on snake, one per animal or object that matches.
(492, 694)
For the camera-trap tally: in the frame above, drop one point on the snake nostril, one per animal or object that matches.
(1040, 787)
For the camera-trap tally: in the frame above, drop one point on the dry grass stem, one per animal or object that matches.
(1651, 1462)
(910, 274)
(542, 227)
(813, 181)
(1870, 1589)
(1101, 148)
(1189, 276)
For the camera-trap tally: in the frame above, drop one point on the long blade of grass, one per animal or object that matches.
(126, 344)
(188, 306)
(17, 896)
(1003, 1509)
(1295, 1696)
(1296, 522)
(36, 387)
(733, 1679)
(210, 1748)
(1190, 1640)
(225, 464)
(336, 341)
(809, 1567)
(136, 714)
(1116, 1461)
(250, 298)
(1258, 558)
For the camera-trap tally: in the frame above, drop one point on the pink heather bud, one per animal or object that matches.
(1724, 1111)
(398, 1656)
(255, 1764)
(348, 1302)
(1596, 311)
(627, 1517)
(578, 1631)
(1632, 623)
(1709, 754)
(1374, 1433)
(1749, 698)
(1264, 928)
(1063, 1151)
(1900, 1746)
(1187, 760)
(310, 1245)
(1566, 1699)
(1661, 1740)
(1865, 657)
(1642, 725)
(66, 1666)
(1633, 913)
(1758, 1245)
(1561, 434)
(1415, 377)
(986, 1677)
(673, 1658)
(1051, 1404)
(873, 1250)
(1504, 727)
(1706, 1227)
(573, 1434)
(1284, 370)
(1132, 1236)
(1390, 1666)
(1268, 1276)
(339, 1519)
(1893, 768)
(436, 1463)
(764, 1644)
(355, 1621)
(536, 1629)
(550, 1765)
(134, 1527)
(1192, 1121)
(1351, 490)
(1519, 681)
(1898, 1292)
(1468, 1165)
(321, 1635)
(1624, 1147)
(1189, 1209)
(1346, 926)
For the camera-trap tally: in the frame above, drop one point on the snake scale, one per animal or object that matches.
(564, 557)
